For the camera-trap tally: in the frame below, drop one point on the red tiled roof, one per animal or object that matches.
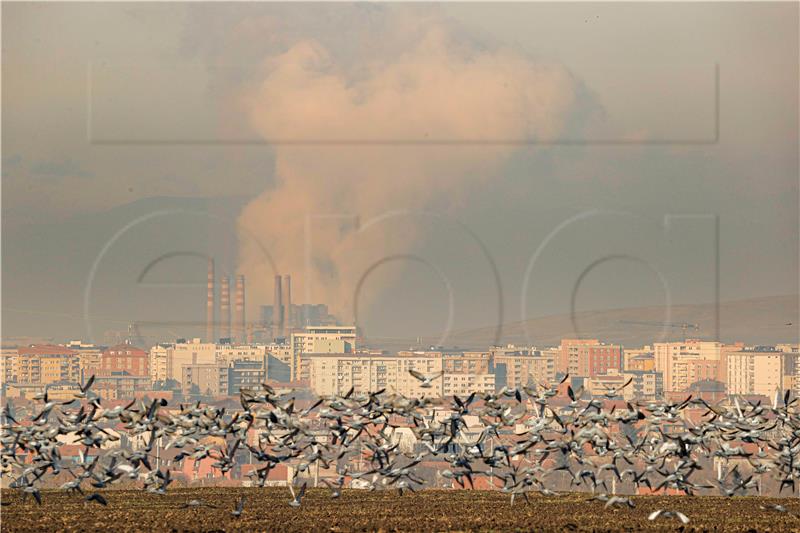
(45, 349)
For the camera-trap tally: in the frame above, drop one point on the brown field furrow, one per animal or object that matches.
(431, 510)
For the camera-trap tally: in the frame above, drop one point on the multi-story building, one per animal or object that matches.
(643, 385)
(519, 368)
(464, 384)
(318, 339)
(9, 362)
(125, 358)
(759, 370)
(119, 384)
(646, 385)
(243, 373)
(208, 379)
(90, 357)
(683, 363)
(588, 357)
(337, 373)
(192, 352)
(159, 362)
(228, 353)
(42, 364)
(638, 358)
(282, 352)
(466, 362)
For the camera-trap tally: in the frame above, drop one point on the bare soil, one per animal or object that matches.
(268, 509)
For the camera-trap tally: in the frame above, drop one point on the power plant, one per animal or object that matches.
(231, 315)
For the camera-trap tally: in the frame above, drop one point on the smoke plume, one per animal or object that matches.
(403, 133)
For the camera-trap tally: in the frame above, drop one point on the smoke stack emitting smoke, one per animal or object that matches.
(240, 327)
(435, 90)
(211, 286)
(225, 308)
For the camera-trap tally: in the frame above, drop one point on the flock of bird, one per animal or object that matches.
(524, 441)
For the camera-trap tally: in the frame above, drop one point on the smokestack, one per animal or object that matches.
(288, 323)
(277, 309)
(210, 302)
(225, 307)
(241, 334)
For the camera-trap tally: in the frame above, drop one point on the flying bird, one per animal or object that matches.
(426, 380)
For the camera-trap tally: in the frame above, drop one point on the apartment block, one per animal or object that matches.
(464, 384)
(207, 379)
(524, 367)
(125, 358)
(315, 340)
(43, 364)
(90, 357)
(759, 370)
(684, 363)
(192, 352)
(159, 362)
(337, 373)
(588, 357)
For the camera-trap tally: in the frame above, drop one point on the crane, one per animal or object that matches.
(683, 325)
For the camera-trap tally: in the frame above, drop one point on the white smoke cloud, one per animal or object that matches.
(438, 92)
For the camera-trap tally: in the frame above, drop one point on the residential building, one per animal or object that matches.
(519, 368)
(336, 373)
(42, 364)
(228, 353)
(464, 384)
(90, 357)
(192, 352)
(119, 384)
(159, 362)
(683, 363)
(644, 385)
(319, 339)
(758, 370)
(125, 358)
(207, 379)
(588, 357)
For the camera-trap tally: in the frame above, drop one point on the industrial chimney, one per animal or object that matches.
(225, 307)
(210, 302)
(288, 323)
(241, 333)
(277, 309)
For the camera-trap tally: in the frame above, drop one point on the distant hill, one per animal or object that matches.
(753, 321)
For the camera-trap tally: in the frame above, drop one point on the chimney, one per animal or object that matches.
(225, 307)
(288, 323)
(210, 302)
(241, 334)
(277, 309)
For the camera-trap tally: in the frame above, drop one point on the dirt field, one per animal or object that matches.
(268, 509)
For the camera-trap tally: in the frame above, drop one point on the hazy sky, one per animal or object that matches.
(500, 160)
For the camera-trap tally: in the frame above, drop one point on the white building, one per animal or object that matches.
(675, 361)
(336, 373)
(757, 371)
(319, 339)
(228, 353)
(191, 352)
(159, 362)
